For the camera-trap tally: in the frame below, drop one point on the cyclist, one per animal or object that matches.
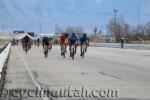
(66, 41)
(38, 42)
(62, 42)
(50, 43)
(26, 43)
(72, 40)
(83, 40)
(45, 43)
(35, 42)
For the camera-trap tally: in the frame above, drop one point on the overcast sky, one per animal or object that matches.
(29, 14)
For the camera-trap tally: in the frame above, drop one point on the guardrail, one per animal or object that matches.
(3, 57)
(118, 45)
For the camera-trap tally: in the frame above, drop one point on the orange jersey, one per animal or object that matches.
(66, 40)
(62, 39)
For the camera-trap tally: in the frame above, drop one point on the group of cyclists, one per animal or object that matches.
(73, 41)
(66, 40)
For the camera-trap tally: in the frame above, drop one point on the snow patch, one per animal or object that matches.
(3, 57)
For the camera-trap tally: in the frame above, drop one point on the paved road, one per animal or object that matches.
(124, 70)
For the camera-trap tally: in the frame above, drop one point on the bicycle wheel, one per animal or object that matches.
(45, 53)
(73, 52)
(26, 49)
(38, 44)
(63, 51)
(64, 54)
(83, 51)
(83, 54)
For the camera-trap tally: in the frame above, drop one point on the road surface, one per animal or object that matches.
(124, 70)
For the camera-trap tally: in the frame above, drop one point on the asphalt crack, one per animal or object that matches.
(109, 75)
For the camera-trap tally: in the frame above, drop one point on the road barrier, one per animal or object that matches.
(3, 57)
(118, 45)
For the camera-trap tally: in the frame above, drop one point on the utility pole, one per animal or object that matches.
(40, 28)
(138, 15)
(115, 12)
(126, 31)
(101, 29)
(95, 30)
(140, 36)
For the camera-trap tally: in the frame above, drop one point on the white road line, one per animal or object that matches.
(30, 73)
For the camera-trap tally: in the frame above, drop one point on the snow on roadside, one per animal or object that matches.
(3, 57)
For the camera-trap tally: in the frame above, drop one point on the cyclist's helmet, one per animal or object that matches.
(84, 35)
(73, 34)
(66, 34)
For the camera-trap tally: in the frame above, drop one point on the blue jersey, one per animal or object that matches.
(84, 38)
(45, 40)
(73, 37)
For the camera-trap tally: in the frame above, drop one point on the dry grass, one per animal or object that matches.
(95, 38)
(4, 42)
